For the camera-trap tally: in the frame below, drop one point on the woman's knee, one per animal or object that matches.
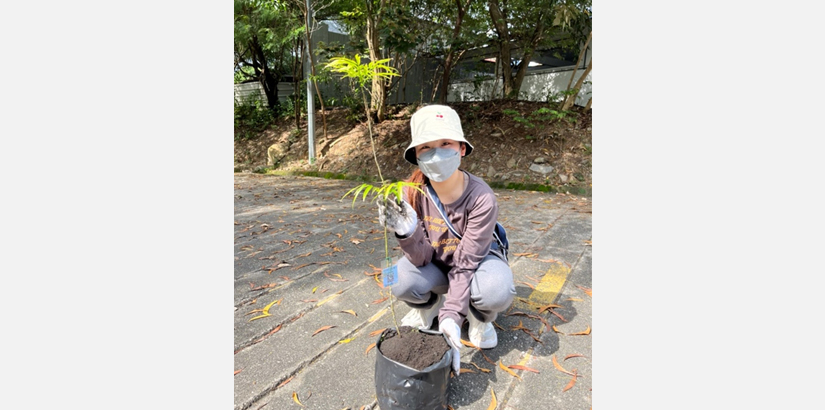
(493, 283)
(415, 283)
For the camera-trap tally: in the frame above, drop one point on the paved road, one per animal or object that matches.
(304, 260)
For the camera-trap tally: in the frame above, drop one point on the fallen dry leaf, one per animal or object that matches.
(570, 356)
(352, 312)
(309, 300)
(480, 368)
(588, 291)
(271, 285)
(271, 332)
(295, 398)
(555, 329)
(572, 382)
(346, 340)
(236, 372)
(284, 382)
(369, 348)
(322, 328)
(260, 316)
(314, 289)
(539, 318)
(519, 327)
(377, 332)
(468, 344)
(558, 315)
(558, 366)
(462, 371)
(530, 285)
(582, 333)
(548, 307)
(512, 373)
(493, 403)
(377, 301)
(520, 367)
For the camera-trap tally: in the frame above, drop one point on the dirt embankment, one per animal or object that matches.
(518, 144)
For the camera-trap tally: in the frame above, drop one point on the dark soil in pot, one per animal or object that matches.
(414, 348)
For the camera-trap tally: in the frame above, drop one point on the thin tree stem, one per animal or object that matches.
(372, 140)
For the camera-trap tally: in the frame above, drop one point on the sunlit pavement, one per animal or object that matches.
(308, 296)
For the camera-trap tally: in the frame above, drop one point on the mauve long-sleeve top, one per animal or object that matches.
(473, 215)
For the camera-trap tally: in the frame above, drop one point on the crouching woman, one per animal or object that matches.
(444, 275)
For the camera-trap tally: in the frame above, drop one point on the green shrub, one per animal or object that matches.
(251, 117)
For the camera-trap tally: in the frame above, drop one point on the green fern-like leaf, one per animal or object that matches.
(366, 191)
(381, 193)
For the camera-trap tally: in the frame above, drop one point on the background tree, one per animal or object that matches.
(451, 28)
(373, 21)
(521, 27)
(577, 16)
(264, 34)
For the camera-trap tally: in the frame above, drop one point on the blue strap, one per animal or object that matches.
(434, 197)
(497, 245)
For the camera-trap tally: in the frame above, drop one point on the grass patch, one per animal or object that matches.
(521, 186)
(326, 175)
(518, 186)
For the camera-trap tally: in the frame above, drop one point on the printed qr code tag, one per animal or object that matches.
(390, 275)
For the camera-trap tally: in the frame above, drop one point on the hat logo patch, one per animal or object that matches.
(439, 116)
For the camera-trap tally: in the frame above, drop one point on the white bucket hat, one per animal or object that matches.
(432, 123)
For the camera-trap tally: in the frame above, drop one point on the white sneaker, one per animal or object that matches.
(482, 334)
(423, 318)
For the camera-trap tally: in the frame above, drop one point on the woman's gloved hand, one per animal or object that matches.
(400, 219)
(450, 329)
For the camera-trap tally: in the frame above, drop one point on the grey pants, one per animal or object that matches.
(491, 291)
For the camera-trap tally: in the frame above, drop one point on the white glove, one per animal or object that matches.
(400, 219)
(450, 329)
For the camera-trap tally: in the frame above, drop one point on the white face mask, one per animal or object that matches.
(439, 163)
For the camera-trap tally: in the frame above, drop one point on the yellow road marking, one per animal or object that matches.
(378, 315)
(548, 287)
(525, 359)
(327, 299)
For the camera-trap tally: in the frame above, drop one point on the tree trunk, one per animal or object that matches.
(579, 60)
(572, 97)
(589, 102)
(378, 92)
(495, 82)
(500, 23)
(436, 81)
(451, 53)
(268, 80)
(527, 54)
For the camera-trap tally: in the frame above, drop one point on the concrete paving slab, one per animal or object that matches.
(327, 374)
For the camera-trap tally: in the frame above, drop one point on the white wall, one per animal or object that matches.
(246, 89)
(535, 87)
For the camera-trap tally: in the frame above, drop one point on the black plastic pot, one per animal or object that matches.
(400, 387)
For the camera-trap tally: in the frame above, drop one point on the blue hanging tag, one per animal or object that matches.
(390, 273)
